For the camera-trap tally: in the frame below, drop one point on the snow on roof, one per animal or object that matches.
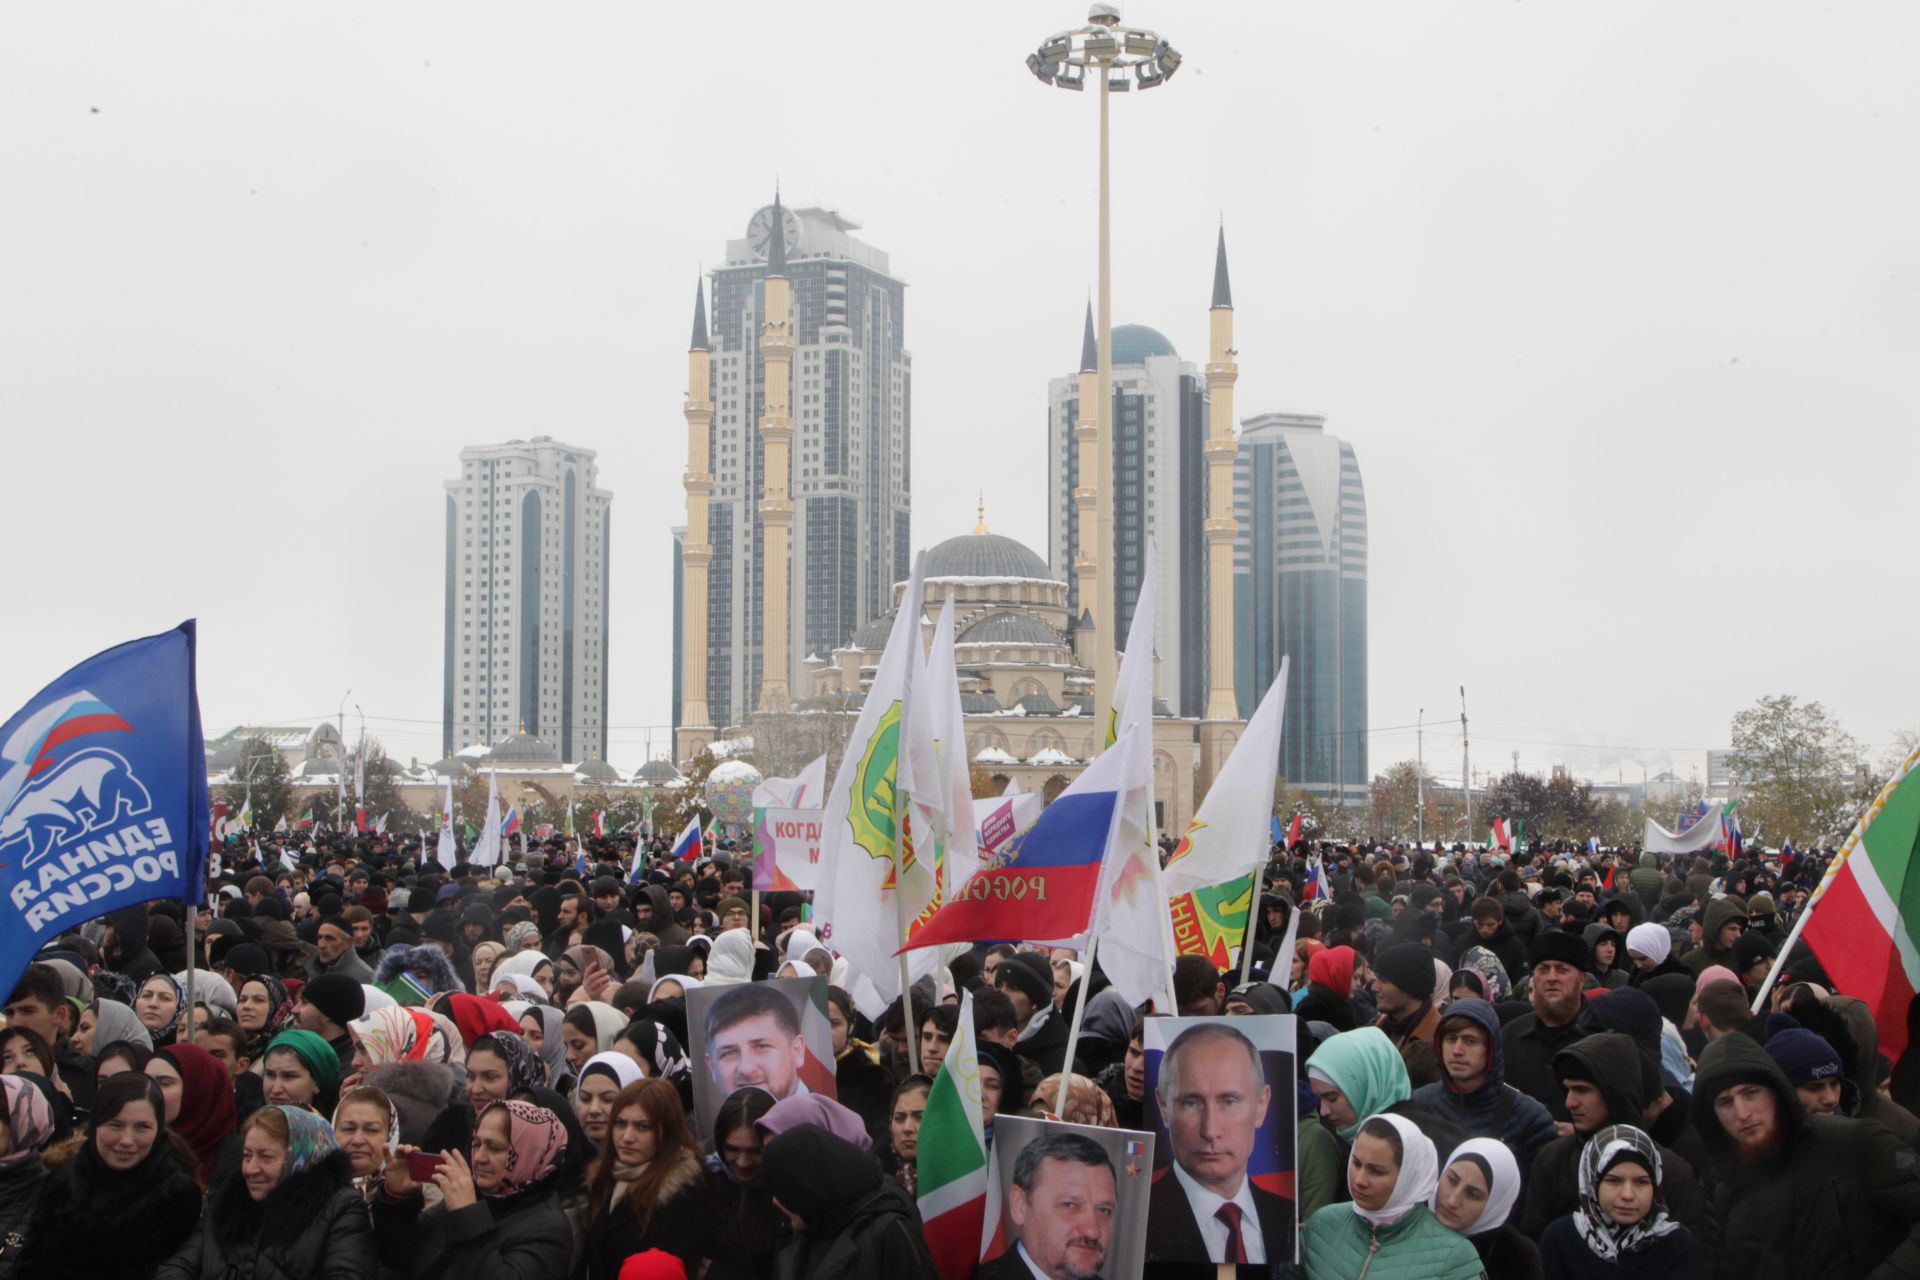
(1050, 755)
(727, 748)
(475, 751)
(993, 755)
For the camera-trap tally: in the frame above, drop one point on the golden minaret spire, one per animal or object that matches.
(696, 553)
(776, 444)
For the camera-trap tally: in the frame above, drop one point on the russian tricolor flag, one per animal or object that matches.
(1046, 888)
(1313, 888)
(687, 847)
(510, 823)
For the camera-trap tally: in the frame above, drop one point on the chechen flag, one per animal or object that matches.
(1502, 835)
(599, 823)
(954, 1184)
(1045, 889)
(1863, 921)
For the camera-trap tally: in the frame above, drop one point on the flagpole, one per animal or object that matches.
(906, 975)
(1246, 946)
(1073, 1030)
(1806, 914)
(193, 923)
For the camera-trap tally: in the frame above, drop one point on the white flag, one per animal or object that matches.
(486, 850)
(1130, 916)
(860, 849)
(448, 851)
(941, 783)
(805, 790)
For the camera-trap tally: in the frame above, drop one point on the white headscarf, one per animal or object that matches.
(731, 961)
(524, 963)
(1503, 1182)
(1419, 1172)
(1652, 941)
(624, 1070)
(683, 981)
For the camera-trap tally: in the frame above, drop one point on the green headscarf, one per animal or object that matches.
(1365, 1067)
(323, 1064)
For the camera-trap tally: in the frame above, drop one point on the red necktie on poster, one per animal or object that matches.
(1236, 1247)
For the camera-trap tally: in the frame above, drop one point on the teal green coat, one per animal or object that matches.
(1339, 1244)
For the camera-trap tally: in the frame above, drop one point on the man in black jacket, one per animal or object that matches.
(1532, 1039)
(1791, 1195)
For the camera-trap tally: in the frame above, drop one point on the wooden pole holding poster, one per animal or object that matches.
(1073, 1031)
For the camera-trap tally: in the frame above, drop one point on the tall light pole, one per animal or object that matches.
(1118, 58)
(1420, 779)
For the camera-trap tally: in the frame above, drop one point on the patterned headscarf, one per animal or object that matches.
(1493, 974)
(1617, 1144)
(279, 1016)
(526, 1069)
(1087, 1102)
(309, 1140)
(29, 1118)
(444, 1044)
(519, 935)
(393, 1035)
(663, 1054)
(163, 1035)
(536, 1139)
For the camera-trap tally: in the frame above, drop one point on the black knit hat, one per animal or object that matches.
(336, 995)
(1023, 973)
(1408, 966)
(1557, 944)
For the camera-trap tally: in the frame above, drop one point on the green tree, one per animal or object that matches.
(1800, 776)
(263, 779)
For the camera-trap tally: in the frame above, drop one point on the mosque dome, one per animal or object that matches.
(596, 771)
(1008, 628)
(523, 748)
(1133, 343)
(985, 555)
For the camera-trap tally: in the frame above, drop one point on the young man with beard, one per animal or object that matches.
(1788, 1194)
(1557, 960)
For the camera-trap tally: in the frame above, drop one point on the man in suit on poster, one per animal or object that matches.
(1062, 1206)
(1213, 1098)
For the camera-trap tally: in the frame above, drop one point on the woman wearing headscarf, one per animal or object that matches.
(1386, 1231)
(1621, 1228)
(366, 1126)
(849, 1220)
(499, 1217)
(499, 1065)
(125, 1203)
(1649, 952)
(289, 1212)
(745, 1223)
(818, 1111)
(601, 1080)
(731, 961)
(1355, 1074)
(26, 1125)
(590, 1028)
(121, 1055)
(1494, 984)
(646, 1189)
(200, 1107)
(575, 962)
(541, 1027)
(1087, 1102)
(527, 964)
(211, 994)
(263, 1009)
(901, 1159)
(301, 1069)
(161, 1007)
(679, 960)
(485, 956)
(382, 1036)
(1104, 1030)
(474, 1015)
(114, 1022)
(1329, 995)
(1479, 1185)
(658, 1051)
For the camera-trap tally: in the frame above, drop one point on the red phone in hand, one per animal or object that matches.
(422, 1165)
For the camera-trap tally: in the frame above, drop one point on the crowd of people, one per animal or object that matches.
(1543, 1065)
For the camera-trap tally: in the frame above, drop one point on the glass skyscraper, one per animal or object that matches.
(1300, 589)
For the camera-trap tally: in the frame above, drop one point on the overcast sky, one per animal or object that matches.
(1617, 306)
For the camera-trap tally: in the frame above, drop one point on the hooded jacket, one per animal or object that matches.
(1840, 1198)
(858, 1223)
(1496, 1109)
(1613, 1063)
(664, 926)
(1646, 881)
(1866, 1048)
(1720, 911)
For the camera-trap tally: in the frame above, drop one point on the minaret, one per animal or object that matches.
(1221, 525)
(776, 443)
(696, 553)
(1086, 494)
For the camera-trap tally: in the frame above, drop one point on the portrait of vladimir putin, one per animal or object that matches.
(1213, 1098)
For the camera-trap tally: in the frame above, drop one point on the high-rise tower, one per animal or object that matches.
(808, 449)
(1300, 589)
(526, 599)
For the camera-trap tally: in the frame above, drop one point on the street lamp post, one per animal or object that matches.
(1119, 58)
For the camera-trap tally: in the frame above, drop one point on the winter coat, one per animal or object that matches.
(678, 1225)
(1866, 1045)
(1508, 946)
(1841, 1199)
(92, 1221)
(745, 1227)
(1416, 1045)
(859, 1225)
(349, 964)
(864, 1087)
(1614, 1064)
(1646, 881)
(1496, 1109)
(20, 1185)
(1507, 1255)
(1674, 1256)
(524, 1236)
(1706, 955)
(419, 1091)
(1337, 1242)
(1320, 1165)
(1530, 1048)
(313, 1226)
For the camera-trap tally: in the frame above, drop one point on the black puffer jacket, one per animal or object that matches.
(313, 1226)
(1840, 1198)
(20, 1186)
(678, 1225)
(859, 1225)
(519, 1237)
(93, 1221)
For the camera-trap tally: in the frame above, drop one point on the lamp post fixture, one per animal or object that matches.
(1118, 59)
